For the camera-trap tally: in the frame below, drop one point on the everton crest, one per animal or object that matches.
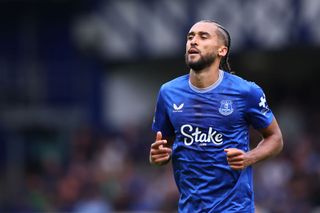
(226, 107)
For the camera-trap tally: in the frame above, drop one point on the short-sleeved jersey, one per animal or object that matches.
(204, 122)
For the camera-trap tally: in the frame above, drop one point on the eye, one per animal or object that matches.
(204, 36)
(189, 37)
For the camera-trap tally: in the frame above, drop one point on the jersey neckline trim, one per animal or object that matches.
(209, 88)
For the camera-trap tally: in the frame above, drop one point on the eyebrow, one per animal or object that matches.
(200, 33)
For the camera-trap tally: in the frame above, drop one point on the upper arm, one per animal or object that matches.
(161, 120)
(260, 116)
(272, 129)
(272, 132)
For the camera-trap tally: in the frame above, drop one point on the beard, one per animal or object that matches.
(203, 62)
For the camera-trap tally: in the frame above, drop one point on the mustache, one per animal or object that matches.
(193, 49)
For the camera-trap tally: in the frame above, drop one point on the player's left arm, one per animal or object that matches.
(269, 146)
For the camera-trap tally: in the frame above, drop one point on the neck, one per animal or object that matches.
(206, 77)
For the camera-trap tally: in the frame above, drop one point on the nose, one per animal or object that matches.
(194, 41)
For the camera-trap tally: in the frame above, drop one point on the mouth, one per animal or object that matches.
(193, 50)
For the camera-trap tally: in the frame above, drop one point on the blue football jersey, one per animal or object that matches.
(204, 122)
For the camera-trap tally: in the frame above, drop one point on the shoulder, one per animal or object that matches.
(245, 86)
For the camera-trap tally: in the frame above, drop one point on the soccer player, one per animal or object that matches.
(202, 123)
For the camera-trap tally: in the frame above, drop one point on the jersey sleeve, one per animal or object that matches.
(161, 121)
(258, 113)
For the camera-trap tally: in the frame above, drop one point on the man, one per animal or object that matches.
(202, 122)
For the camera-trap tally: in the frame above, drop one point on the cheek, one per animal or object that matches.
(210, 50)
(187, 46)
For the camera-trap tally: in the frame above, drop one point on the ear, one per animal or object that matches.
(222, 51)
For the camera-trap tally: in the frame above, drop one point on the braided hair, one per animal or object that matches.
(224, 35)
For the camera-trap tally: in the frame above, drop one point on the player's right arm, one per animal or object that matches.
(160, 150)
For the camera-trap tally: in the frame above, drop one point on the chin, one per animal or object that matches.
(193, 60)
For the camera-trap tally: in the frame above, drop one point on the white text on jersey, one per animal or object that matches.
(200, 137)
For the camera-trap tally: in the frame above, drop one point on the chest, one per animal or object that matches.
(207, 110)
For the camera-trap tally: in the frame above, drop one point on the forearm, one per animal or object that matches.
(268, 147)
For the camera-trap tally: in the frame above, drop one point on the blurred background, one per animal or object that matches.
(78, 85)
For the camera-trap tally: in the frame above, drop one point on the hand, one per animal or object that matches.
(236, 158)
(159, 154)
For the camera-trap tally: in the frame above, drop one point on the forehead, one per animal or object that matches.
(204, 27)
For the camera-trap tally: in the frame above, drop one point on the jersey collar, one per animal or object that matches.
(209, 88)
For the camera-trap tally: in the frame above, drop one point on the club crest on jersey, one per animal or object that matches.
(226, 107)
(178, 108)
